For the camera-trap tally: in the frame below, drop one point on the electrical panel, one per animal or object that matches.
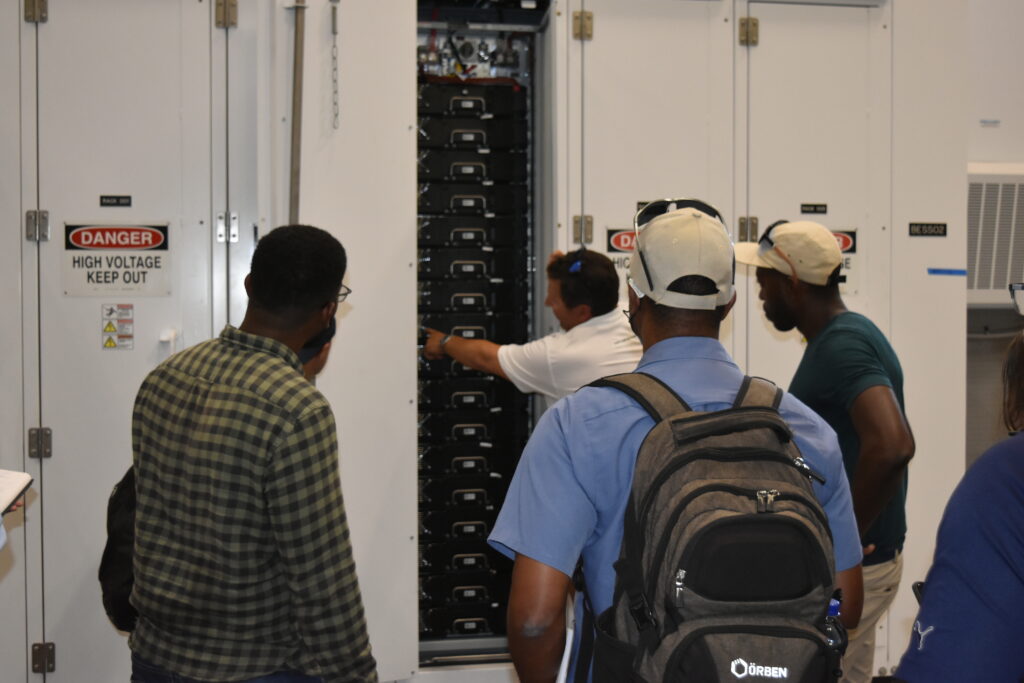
(475, 281)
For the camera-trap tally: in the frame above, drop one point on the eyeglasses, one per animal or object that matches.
(766, 236)
(652, 210)
(632, 285)
(343, 293)
(1017, 295)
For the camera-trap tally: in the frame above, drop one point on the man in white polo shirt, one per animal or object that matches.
(595, 341)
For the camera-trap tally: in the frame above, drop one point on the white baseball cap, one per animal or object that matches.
(805, 249)
(681, 243)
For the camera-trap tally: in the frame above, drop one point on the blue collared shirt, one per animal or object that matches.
(569, 493)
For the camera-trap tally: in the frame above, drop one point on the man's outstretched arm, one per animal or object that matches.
(479, 354)
(536, 620)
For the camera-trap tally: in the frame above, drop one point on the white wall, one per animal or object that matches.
(995, 111)
(928, 311)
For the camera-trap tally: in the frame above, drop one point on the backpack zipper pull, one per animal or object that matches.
(680, 587)
(766, 500)
(808, 471)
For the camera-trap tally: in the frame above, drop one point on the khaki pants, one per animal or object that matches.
(880, 584)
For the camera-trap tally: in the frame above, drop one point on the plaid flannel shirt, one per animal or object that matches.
(243, 565)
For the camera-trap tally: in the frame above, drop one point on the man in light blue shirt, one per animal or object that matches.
(570, 491)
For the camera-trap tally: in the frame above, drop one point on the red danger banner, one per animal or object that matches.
(115, 237)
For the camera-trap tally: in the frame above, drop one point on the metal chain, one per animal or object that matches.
(334, 63)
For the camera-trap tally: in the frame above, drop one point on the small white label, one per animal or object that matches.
(467, 235)
(468, 137)
(469, 594)
(469, 561)
(470, 431)
(466, 104)
(468, 202)
(469, 496)
(470, 334)
(468, 301)
(468, 465)
(466, 169)
(469, 399)
(471, 626)
(469, 268)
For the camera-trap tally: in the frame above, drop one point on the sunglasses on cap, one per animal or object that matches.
(766, 236)
(652, 210)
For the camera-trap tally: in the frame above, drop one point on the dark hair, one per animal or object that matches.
(1013, 384)
(586, 277)
(689, 284)
(831, 285)
(295, 270)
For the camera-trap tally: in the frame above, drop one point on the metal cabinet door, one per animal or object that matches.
(654, 118)
(120, 99)
(815, 95)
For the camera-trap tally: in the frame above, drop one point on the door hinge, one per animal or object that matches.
(582, 229)
(748, 229)
(583, 25)
(44, 658)
(40, 442)
(750, 30)
(37, 226)
(226, 14)
(37, 11)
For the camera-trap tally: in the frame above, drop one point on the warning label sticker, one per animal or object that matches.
(117, 322)
(116, 258)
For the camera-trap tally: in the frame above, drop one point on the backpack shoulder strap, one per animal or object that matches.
(759, 392)
(650, 392)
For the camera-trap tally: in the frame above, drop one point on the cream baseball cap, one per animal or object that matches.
(680, 243)
(805, 249)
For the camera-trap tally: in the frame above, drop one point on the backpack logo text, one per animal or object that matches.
(741, 669)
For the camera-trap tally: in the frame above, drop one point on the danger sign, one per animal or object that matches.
(116, 258)
(620, 240)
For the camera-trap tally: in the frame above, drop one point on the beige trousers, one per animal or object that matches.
(880, 584)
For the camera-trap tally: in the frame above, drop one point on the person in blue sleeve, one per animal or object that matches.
(969, 625)
(570, 490)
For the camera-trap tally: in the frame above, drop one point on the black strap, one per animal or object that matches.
(585, 653)
(656, 397)
(759, 392)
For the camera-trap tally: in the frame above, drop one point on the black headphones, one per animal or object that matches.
(652, 210)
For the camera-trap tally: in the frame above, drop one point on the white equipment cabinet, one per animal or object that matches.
(853, 105)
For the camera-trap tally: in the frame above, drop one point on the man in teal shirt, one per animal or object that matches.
(850, 376)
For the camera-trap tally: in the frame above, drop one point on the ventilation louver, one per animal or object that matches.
(995, 233)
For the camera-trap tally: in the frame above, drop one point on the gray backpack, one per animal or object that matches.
(726, 570)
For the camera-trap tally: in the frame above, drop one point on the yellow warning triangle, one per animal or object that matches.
(110, 343)
(110, 327)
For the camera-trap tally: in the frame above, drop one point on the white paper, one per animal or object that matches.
(12, 486)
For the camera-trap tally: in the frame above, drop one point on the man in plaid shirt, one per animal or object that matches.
(243, 566)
